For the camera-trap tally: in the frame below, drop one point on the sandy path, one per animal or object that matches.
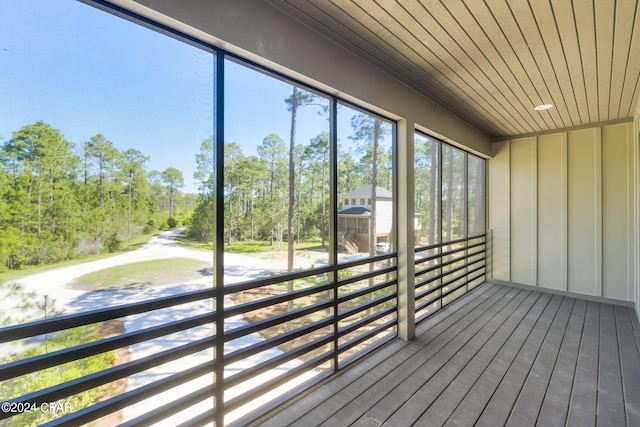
(238, 268)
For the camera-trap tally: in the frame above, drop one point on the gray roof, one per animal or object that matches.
(356, 210)
(365, 191)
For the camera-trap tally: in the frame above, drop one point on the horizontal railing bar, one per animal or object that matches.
(373, 347)
(453, 280)
(176, 405)
(369, 334)
(454, 270)
(477, 236)
(428, 280)
(365, 276)
(452, 290)
(123, 400)
(452, 242)
(269, 301)
(283, 398)
(365, 291)
(275, 341)
(419, 284)
(480, 251)
(276, 382)
(426, 293)
(41, 327)
(444, 254)
(424, 304)
(274, 320)
(470, 272)
(476, 277)
(278, 360)
(345, 330)
(285, 277)
(115, 373)
(367, 260)
(205, 418)
(273, 280)
(369, 304)
(428, 269)
(38, 363)
(482, 260)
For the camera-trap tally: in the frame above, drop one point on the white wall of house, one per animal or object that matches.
(384, 216)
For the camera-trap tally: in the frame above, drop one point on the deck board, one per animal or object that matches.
(498, 409)
(556, 399)
(473, 404)
(337, 393)
(486, 340)
(582, 409)
(610, 398)
(629, 363)
(497, 356)
(408, 376)
(456, 389)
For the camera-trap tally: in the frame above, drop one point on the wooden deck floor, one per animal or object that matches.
(498, 356)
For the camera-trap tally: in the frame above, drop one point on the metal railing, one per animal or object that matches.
(282, 334)
(446, 271)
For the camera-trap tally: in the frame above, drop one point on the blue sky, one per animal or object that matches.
(85, 71)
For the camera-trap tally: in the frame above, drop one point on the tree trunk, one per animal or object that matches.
(292, 172)
(374, 184)
(434, 204)
(450, 195)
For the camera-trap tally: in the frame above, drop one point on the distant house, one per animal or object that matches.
(354, 219)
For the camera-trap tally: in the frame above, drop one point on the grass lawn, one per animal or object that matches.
(147, 273)
(247, 246)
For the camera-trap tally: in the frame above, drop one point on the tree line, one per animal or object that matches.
(60, 201)
(282, 193)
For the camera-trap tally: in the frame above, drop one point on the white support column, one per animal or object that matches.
(406, 234)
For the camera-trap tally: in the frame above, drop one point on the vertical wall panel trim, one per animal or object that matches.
(564, 184)
(598, 213)
(509, 144)
(636, 147)
(499, 222)
(534, 212)
(633, 232)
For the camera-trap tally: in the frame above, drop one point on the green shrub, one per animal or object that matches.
(172, 222)
(50, 377)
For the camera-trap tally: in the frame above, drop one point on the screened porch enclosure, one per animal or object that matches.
(319, 213)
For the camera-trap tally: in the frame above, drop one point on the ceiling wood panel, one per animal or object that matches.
(586, 29)
(448, 31)
(446, 57)
(604, 12)
(563, 11)
(491, 62)
(631, 88)
(624, 18)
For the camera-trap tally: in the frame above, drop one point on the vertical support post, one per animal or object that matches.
(333, 222)
(405, 202)
(218, 254)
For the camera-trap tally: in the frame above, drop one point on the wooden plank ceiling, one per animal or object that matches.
(491, 62)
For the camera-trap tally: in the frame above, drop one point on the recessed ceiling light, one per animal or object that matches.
(543, 107)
